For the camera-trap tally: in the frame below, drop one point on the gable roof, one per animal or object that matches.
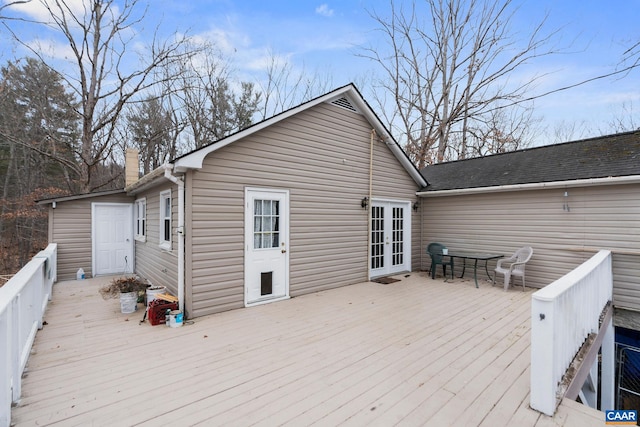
(347, 97)
(605, 159)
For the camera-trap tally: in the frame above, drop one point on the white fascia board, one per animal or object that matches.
(591, 182)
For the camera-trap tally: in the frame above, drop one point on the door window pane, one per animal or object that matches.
(266, 224)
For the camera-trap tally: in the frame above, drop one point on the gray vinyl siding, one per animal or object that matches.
(321, 156)
(604, 217)
(70, 228)
(157, 265)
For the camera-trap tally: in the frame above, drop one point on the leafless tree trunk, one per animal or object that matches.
(447, 68)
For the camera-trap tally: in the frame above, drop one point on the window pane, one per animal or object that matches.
(276, 207)
(267, 207)
(257, 241)
(266, 224)
(167, 230)
(257, 207)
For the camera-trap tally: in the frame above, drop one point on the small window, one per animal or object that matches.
(165, 220)
(141, 220)
(266, 224)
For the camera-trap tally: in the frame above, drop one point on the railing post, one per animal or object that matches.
(543, 348)
(5, 367)
(14, 339)
(607, 398)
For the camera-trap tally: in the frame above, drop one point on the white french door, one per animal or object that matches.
(390, 237)
(266, 275)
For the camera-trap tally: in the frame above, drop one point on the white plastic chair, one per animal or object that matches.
(515, 267)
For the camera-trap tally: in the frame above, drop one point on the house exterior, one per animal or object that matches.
(72, 222)
(277, 210)
(567, 201)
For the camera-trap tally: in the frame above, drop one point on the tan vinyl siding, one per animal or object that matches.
(605, 217)
(70, 228)
(321, 156)
(157, 265)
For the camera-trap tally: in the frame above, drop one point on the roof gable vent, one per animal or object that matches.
(343, 102)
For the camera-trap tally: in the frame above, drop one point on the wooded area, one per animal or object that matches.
(64, 127)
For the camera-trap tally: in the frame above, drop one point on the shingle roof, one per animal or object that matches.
(602, 157)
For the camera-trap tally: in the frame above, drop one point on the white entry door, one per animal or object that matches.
(266, 273)
(112, 236)
(390, 237)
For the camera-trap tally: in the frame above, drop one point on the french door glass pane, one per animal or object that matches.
(377, 237)
(397, 257)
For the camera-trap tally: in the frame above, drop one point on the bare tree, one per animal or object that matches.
(101, 72)
(285, 86)
(152, 133)
(630, 58)
(206, 101)
(627, 120)
(448, 73)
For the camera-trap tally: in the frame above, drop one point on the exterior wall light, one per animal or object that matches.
(565, 205)
(364, 202)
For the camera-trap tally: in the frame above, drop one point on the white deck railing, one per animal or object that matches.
(23, 300)
(563, 314)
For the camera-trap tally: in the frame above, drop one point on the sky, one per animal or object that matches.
(324, 38)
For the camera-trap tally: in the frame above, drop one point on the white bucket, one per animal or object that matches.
(175, 319)
(128, 302)
(153, 291)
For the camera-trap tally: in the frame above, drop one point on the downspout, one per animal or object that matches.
(369, 225)
(180, 230)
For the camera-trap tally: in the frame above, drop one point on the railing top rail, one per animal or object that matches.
(560, 286)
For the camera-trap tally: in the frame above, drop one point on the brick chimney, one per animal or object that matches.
(131, 166)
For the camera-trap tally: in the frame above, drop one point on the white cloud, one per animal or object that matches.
(38, 10)
(324, 10)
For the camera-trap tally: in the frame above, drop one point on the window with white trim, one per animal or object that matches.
(141, 220)
(165, 220)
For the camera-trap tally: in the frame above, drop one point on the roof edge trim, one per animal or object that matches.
(590, 182)
(79, 196)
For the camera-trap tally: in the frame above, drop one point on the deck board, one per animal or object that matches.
(415, 352)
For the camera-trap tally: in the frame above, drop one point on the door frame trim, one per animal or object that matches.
(248, 237)
(94, 205)
(407, 231)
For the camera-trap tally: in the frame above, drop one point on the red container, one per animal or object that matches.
(158, 310)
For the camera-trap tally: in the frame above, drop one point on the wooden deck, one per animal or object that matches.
(415, 352)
